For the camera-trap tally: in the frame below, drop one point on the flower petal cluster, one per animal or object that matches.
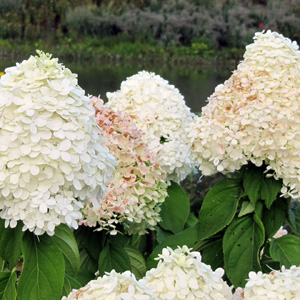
(255, 115)
(160, 111)
(180, 274)
(113, 286)
(52, 157)
(277, 285)
(138, 186)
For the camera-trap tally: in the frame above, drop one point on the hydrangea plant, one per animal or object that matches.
(254, 116)
(133, 196)
(52, 157)
(160, 111)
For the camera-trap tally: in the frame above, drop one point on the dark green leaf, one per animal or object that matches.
(87, 262)
(90, 239)
(294, 220)
(65, 241)
(43, 269)
(10, 243)
(138, 264)
(286, 250)
(270, 187)
(67, 288)
(175, 209)
(212, 254)
(274, 217)
(4, 278)
(252, 179)
(81, 279)
(219, 207)
(187, 237)
(191, 221)
(113, 257)
(8, 286)
(242, 242)
(162, 234)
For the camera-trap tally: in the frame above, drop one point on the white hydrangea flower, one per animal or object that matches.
(281, 232)
(180, 274)
(51, 154)
(113, 286)
(254, 116)
(160, 111)
(278, 285)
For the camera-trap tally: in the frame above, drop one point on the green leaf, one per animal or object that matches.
(65, 241)
(10, 243)
(270, 187)
(286, 250)
(241, 245)
(4, 278)
(175, 209)
(219, 207)
(138, 264)
(113, 257)
(247, 208)
(87, 262)
(43, 269)
(294, 220)
(67, 288)
(274, 217)
(252, 179)
(191, 221)
(162, 234)
(187, 237)
(8, 286)
(81, 279)
(212, 254)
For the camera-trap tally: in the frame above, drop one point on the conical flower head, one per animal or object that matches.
(51, 154)
(113, 286)
(254, 116)
(158, 109)
(138, 187)
(180, 274)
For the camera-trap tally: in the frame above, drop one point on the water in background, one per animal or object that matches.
(195, 83)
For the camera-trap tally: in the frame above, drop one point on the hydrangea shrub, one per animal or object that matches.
(160, 111)
(133, 196)
(254, 116)
(52, 157)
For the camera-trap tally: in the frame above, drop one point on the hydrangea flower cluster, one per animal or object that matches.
(113, 286)
(180, 274)
(160, 111)
(52, 156)
(254, 116)
(283, 284)
(138, 186)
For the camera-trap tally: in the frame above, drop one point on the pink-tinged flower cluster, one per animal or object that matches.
(113, 286)
(283, 285)
(160, 111)
(138, 187)
(180, 274)
(255, 115)
(52, 158)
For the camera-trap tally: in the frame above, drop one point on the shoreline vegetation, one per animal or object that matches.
(188, 32)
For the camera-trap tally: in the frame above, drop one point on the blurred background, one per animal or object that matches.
(195, 44)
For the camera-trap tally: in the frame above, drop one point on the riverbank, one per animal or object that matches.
(111, 49)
